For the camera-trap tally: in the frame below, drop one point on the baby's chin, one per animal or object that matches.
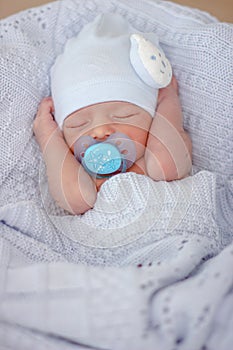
(138, 167)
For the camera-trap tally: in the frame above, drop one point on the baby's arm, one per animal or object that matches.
(169, 147)
(69, 184)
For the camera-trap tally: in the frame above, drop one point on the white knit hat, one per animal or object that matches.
(108, 61)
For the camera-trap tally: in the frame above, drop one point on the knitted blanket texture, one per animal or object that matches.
(150, 266)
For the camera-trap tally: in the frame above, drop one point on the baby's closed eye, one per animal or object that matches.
(125, 116)
(78, 123)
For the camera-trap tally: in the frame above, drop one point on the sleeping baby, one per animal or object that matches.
(114, 108)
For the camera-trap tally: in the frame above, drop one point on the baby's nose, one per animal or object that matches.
(102, 132)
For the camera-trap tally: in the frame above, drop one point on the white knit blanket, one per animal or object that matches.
(150, 267)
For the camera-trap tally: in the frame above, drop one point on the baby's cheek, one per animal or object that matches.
(141, 134)
(70, 139)
(140, 143)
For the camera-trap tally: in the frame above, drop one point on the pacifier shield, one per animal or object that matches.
(81, 145)
(102, 159)
(125, 145)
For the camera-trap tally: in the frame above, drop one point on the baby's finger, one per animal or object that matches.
(49, 101)
(46, 105)
(174, 83)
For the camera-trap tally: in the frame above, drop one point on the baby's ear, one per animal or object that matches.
(149, 62)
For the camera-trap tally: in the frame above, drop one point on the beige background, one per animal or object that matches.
(222, 9)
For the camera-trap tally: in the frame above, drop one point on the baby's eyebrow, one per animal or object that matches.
(127, 109)
(71, 119)
(78, 114)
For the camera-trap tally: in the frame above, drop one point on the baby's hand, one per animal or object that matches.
(170, 90)
(44, 125)
(173, 85)
(169, 149)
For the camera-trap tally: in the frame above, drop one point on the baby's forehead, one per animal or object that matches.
(106, 107)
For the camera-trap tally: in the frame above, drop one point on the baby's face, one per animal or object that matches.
(102, 119)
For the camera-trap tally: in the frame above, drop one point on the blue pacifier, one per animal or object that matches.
(103, 159)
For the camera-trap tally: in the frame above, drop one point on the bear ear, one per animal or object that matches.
(149, 62)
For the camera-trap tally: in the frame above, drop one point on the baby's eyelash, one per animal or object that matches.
(78, 125)
(124, 116)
